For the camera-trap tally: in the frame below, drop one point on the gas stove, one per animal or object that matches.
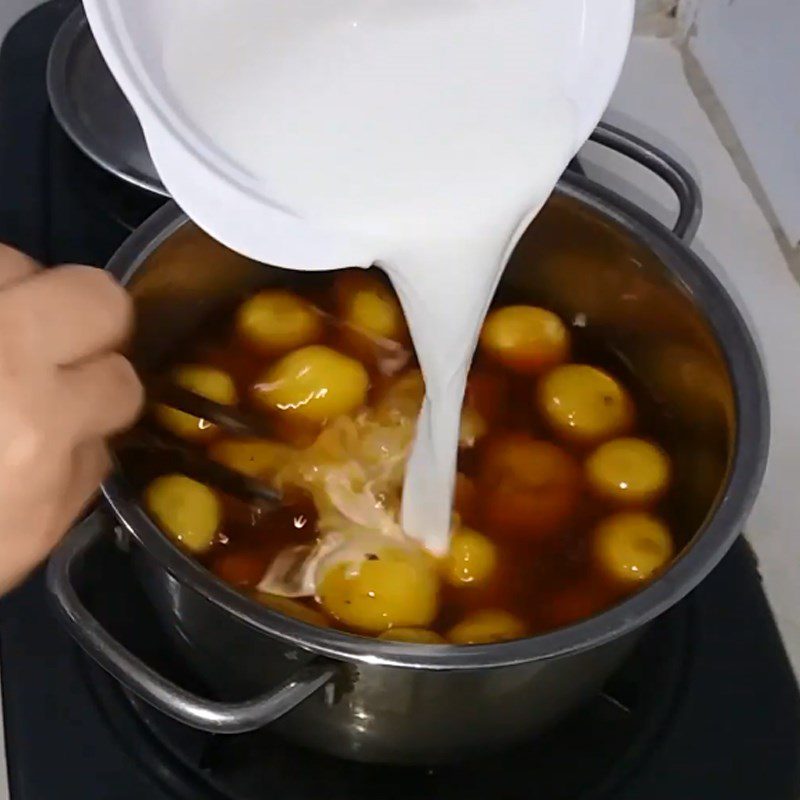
(707, 707)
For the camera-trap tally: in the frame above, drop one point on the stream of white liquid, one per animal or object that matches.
(434, 128)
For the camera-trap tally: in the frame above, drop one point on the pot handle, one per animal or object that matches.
(142, 680)
(666, 167)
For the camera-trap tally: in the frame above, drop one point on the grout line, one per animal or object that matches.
(685, 13)
(656, 18)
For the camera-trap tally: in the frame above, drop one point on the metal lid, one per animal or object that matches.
(92, 109)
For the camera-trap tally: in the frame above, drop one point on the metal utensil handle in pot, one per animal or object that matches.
(676, 176)
(142, 680)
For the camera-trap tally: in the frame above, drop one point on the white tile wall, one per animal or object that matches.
(751, 57)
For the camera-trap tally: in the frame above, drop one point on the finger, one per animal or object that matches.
(102, 396)
(74, 312)
(15, 266)
(91, 464)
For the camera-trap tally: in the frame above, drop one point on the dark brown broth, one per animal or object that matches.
(546, 584)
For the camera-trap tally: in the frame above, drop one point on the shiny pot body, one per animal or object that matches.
(603, 264)
(374, 712)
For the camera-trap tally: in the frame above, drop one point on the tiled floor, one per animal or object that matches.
(656, 99)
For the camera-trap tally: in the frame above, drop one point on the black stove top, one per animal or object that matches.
(706, 708)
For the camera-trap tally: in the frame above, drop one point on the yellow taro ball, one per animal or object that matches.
(274, 321)
(257, 458)
(472, 559)
(315, 383)
(394, 588)
(585, 404)
(187, 511)
(403, 398)
(208, 382)
(632, 546)
(628, 471)
(526, 339)
(412, 636)
(486, 627)
(473, 427)
(368, 305)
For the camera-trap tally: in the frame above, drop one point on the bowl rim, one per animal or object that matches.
(699, 557)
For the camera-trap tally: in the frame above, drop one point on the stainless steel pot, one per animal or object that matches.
(601, 262)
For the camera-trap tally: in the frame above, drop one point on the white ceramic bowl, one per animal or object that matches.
(229, 203)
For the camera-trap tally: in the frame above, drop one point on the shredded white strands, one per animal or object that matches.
(354, 473)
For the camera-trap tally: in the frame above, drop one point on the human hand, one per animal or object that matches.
(63, 390)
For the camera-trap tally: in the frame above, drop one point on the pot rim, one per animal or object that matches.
(699, 557)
